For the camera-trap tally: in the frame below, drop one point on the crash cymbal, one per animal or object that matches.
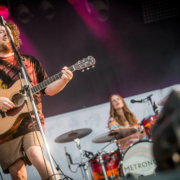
(70, 136)
(115, 134)
(163, 100)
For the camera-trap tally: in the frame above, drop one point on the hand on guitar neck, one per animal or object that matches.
(6, 104)
(13, 108)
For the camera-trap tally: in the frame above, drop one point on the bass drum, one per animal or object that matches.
(138, 160)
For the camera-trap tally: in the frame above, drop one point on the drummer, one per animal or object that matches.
(122, 117)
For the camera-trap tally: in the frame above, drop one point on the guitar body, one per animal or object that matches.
(10, 120)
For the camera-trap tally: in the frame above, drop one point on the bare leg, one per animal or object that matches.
(36, 158)
(18, 170)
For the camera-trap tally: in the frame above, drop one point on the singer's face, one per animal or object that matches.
(117, 102)
(4, 40)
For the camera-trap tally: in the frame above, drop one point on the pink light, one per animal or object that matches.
(4, 11)
(104, 31)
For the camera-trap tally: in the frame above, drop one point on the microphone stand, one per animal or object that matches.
(27, 89)
(153, 105)
(77, 141)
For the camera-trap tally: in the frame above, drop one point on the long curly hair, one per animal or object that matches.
(15, 32)
(129, 116)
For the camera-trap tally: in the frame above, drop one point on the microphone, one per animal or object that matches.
(138, 101)
(67, 157)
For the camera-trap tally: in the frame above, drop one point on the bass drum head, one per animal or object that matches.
(138, 160)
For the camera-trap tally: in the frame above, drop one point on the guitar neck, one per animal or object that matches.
(48, 81)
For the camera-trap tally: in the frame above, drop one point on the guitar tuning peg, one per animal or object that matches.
(82, 70)
(88, 68)
(93, 66)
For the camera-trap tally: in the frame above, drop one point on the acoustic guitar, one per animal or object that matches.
(10, 120)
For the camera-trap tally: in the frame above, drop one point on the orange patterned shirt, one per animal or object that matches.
(113, 125)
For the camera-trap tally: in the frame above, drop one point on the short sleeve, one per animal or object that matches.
(112, 124)
(40, 73)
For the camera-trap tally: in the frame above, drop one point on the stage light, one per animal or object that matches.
(23, 13)
(102, 8)
(4, 9)
(47, 9)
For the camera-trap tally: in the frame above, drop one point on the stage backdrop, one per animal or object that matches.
(96, 118)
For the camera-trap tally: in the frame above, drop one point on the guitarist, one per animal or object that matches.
(23, 146)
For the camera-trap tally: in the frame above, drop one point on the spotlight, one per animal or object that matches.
(102, 8)
(47, 9)
(4, 8)
(23, 13)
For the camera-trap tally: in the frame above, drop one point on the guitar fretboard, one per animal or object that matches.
(48, 81)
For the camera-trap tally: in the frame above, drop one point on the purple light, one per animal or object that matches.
(4, 11)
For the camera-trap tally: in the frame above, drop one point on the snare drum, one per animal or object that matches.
(138, 160)
(111, 162)
(148, 123)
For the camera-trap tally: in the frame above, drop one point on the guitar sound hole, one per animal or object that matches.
(17, 99)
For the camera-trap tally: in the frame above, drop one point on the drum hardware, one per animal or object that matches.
(102, 165)
(77, 141)
(112, 176)
(102, 162)
(74, 135)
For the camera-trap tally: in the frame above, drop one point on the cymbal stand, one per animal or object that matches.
(77, 141)
(102, 164)
(121, 162)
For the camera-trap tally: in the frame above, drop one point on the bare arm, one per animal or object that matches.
(58, 85)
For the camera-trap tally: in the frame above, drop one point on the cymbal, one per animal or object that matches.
(163, 100)
(70, 136)
(115, 134)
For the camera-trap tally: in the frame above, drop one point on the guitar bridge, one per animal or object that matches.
(2, 114)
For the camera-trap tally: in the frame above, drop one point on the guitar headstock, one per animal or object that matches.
(85, 63)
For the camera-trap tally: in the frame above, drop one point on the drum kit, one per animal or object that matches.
(137, 160)
(115, 165)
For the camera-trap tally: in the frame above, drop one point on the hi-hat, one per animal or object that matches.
(70, 136)
(115, 134)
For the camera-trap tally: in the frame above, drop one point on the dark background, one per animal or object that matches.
(141, 57)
